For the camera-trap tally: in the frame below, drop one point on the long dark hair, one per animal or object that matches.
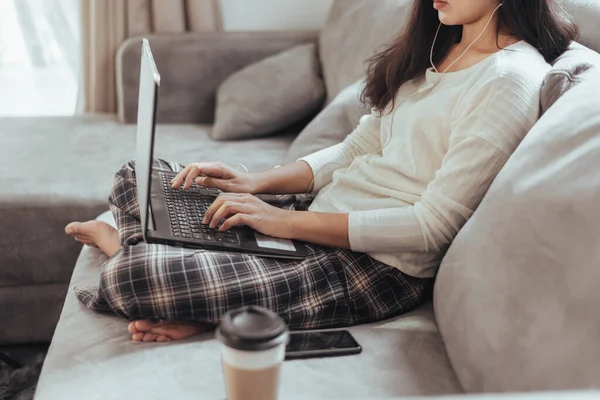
(541, 23)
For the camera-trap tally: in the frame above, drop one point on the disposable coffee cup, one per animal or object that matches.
(253, 341)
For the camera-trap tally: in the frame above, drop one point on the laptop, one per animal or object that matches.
(174, 216)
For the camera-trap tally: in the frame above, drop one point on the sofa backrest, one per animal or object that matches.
(516, 297)
(586, 14)
(357, 29)
(354, 31)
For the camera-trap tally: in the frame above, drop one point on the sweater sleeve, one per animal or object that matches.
(481, 141)
(450, 200)
(365, 139)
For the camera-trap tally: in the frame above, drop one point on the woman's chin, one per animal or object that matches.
(447, 19)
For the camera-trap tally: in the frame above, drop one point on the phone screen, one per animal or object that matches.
(304, 342)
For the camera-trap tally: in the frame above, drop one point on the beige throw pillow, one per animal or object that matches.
(270, 95)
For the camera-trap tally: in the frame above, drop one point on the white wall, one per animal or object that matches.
(274, 15)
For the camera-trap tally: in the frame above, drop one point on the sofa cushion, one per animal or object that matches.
(517, 294)
(404, 356)
(29, 314)
(332, 125)
(355, 31)
(270, 95)
(45, 185)
(344, 48)
(586, 14)
(567, 72)
(56, 170)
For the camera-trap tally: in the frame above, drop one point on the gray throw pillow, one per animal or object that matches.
(332, 125)
(517, 297)
(566, 73)
(270, 95)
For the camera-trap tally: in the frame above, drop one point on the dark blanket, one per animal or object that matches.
(17, 382)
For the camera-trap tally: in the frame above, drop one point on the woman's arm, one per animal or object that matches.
(429, 225)
(315, 171)
(310, 174)
(365, 139)
(326, 229)
(481, 143)
(289, 179)
(467, 171)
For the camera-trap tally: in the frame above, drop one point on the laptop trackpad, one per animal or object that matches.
(267, 242)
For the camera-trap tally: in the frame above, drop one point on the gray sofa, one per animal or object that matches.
(66, 175)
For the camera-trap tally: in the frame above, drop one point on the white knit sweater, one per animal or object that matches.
(410, 179)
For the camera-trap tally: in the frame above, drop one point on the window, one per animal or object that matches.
(39, 57)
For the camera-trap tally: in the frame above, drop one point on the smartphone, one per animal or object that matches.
(317, 344)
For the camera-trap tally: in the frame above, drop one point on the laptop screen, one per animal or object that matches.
(149, 82)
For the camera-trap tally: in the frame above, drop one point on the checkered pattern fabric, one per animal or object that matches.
(330, 288)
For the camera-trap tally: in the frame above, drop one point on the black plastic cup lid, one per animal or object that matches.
(252, 328)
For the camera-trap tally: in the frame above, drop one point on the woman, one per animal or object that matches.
(452, 98)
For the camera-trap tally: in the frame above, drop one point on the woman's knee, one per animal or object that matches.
(118, 287)
(123, 183)
(130, 284)
(127, 171)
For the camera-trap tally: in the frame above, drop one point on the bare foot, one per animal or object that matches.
(151, 331)
(95, 234)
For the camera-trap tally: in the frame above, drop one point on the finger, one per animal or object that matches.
(191, 176)
(208, 182)
(236, 220)
(178, 180)
(226, 210)
(210, 211)
(214, 170)
(223, 197)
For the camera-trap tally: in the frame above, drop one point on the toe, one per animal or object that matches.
(137, 337)
(131, 328)
(150, 337)
(72, 227)
(144, 325)
(163, 339)
(85, 241)
(179, 330)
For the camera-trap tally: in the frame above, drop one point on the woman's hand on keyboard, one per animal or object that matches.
(216, 175)
(245, 209)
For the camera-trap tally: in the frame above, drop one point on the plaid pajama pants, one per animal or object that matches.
(331, 288)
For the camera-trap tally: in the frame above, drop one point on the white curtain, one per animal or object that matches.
(107, 23)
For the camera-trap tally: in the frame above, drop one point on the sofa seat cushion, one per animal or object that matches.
(92, 357)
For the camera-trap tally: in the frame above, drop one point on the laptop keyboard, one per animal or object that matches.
(186, 212)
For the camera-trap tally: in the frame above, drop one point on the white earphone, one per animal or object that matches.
(468, 47)
(424, 88)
